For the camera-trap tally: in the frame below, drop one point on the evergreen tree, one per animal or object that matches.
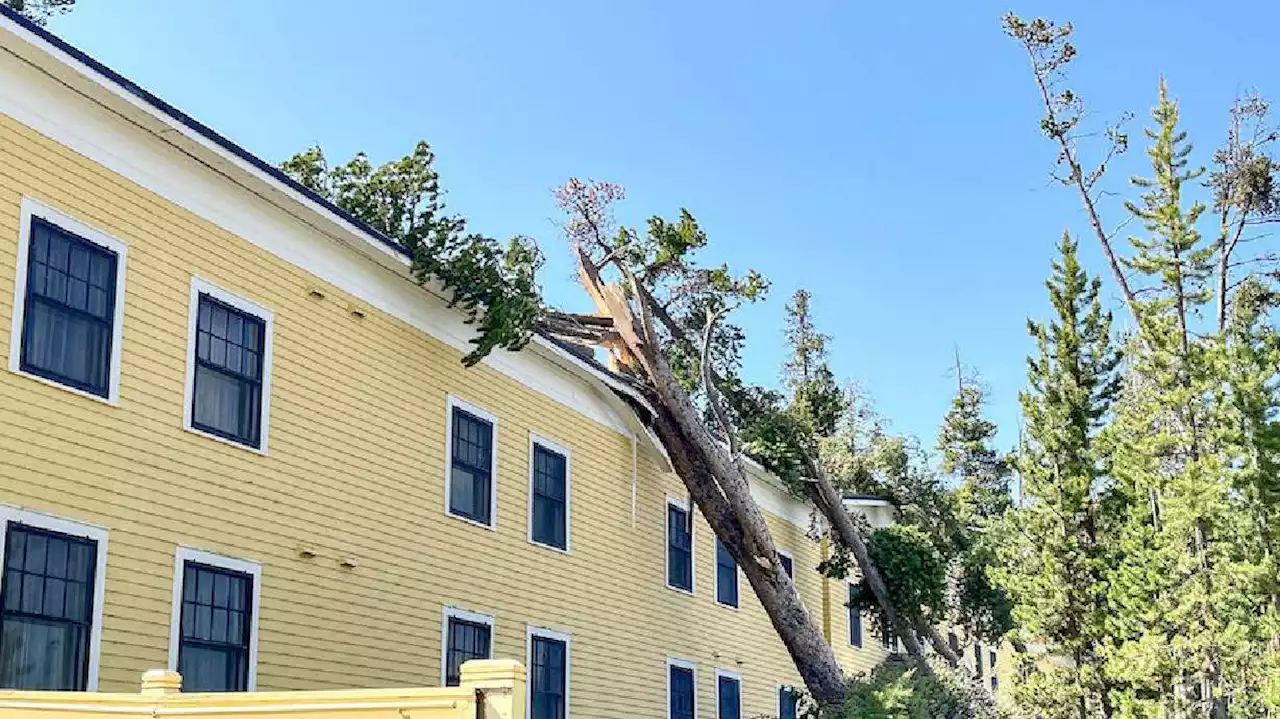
(981, 470)
(1194, 448)
(815, 394)
(1187, 596)
(1056, 568)
(980, 500)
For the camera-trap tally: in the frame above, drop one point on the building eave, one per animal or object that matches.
(325, 215)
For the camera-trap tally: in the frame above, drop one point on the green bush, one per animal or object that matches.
(895, 690)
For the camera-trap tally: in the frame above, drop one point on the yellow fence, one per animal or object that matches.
(491, 689)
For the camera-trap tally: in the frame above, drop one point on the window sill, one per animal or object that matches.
(551, 547)
(491, 527)
(110, 401)
(681, 590)
(231, 443)
(734, 607)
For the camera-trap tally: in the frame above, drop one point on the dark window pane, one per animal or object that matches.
(69, 309)
(855, 621)
(683, 699)
(213, 655)
(470, 481)
(787, 703)
(46, 609)
(887, 638)
(977, 659)
(679, 549)
(227, 397)
(467, 641)
(726, 576)
(787, 565)
(730, 701)
(549, 497)
(547, 686)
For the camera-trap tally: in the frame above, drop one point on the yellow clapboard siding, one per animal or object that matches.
(354, 471)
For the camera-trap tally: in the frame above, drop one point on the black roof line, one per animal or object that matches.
(203, 130)
(856, 496)
(208, 133)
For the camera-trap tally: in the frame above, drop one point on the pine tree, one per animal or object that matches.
(807, 377)
(965, 442)
(1194, 447)
(1056, 569)
(1187, 597)
(979, 502)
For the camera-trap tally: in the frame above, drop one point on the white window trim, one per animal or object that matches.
(790, 556)
(452, 612)
(537, 440)
(683, 505)
(726, 674)
(245, 566)
(455, 402)
(532, 631)
(682, 664)
(781, 688)
(198, 287)
(737, 578)
(76, 529)
(34, 208)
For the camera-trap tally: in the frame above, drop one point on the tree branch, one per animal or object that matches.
(713, 392)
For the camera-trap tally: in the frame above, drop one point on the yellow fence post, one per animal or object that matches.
(501, 682)
(158, 682)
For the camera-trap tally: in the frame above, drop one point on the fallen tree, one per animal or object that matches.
(662, 318)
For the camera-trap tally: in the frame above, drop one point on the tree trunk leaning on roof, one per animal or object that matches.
(653, 305)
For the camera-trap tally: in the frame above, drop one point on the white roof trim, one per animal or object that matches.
(186, 131)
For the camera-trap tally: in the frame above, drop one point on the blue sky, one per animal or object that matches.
(883, 155)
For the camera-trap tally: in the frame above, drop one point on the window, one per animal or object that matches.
(728, 695)
(213, 642)
(954, 641)
(467, 636)
(855, 620)
(472, 464)
(788, 703)
(68, 308)
(549, 494)
(682, 680)
(788, 565)
(726, 576)
(51, 594)
(887, 640)
(679, 546)
(228, 367)
(977, 660)
(548, 674)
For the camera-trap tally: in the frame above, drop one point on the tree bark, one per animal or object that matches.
(718, 486)
(828, 501)
(813, 656)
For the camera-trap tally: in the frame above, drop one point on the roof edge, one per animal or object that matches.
(96, 71)
(90, 67)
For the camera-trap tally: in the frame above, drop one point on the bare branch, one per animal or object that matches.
(1058, 129)
(709, 384)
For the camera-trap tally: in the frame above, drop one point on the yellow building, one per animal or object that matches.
(236, 440)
